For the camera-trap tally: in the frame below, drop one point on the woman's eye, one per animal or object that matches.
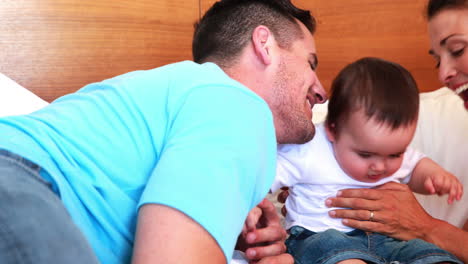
(458, 52)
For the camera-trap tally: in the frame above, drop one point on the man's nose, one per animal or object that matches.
(319, 93)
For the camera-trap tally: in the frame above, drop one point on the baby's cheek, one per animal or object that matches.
(394, 165)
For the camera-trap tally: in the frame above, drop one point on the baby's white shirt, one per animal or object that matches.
(312, 173)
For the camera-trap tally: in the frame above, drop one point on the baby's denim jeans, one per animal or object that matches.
(332, 246)
(35, 227)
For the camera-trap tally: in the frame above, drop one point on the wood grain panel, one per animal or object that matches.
(394, 30)
(205, 5)
(53, 47)
(347, 30)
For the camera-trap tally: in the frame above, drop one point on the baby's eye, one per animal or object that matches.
(395, 156)
(364, 155)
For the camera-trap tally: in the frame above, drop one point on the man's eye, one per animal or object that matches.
(313, 66)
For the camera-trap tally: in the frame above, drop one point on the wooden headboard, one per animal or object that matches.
(395, 30)
(53, 47)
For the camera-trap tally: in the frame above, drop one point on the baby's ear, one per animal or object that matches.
(330, 130)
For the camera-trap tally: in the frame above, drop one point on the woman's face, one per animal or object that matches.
(448, 33)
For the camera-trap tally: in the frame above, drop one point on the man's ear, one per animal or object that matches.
(262, 40)
(330, 130)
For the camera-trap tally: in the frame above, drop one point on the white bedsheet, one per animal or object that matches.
(15, 99)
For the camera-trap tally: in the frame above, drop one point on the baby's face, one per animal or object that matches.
(369, 151)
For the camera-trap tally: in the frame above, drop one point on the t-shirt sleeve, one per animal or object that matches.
(291, 164)
(218, 160)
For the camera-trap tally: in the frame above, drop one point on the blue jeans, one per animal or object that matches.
(332, 246)
(34, 225)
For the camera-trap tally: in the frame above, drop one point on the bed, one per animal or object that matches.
(51, 48)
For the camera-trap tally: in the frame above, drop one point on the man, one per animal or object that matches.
(210, 45)
(162, 166)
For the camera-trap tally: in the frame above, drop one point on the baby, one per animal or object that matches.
(372, 116)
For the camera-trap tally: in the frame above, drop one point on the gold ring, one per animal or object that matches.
(371, 216)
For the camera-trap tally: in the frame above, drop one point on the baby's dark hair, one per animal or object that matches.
(226, 28)
(436, 6)
(384, 90)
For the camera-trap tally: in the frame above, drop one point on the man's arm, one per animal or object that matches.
(167, 236)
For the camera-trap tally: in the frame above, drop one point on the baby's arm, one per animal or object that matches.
(430, 178)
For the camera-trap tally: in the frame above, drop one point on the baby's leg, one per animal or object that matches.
(414, 251)
(329, 247)
(352, 261)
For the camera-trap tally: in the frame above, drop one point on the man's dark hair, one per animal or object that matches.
(226, 28)
(435, 6)
(384, 90)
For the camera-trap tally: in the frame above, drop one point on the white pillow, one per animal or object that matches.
(442, 134)
(16, 100)
(319, 112)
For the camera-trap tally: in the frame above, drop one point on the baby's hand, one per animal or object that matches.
(443, 182)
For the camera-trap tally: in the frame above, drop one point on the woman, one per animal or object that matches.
(395, 210)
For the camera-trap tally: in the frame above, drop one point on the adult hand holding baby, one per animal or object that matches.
(394, 208)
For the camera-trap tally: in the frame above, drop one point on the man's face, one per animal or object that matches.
(296, 89)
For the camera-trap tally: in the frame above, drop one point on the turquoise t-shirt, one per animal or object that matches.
(183, 135)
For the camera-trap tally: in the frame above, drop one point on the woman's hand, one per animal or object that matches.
(390, 209)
